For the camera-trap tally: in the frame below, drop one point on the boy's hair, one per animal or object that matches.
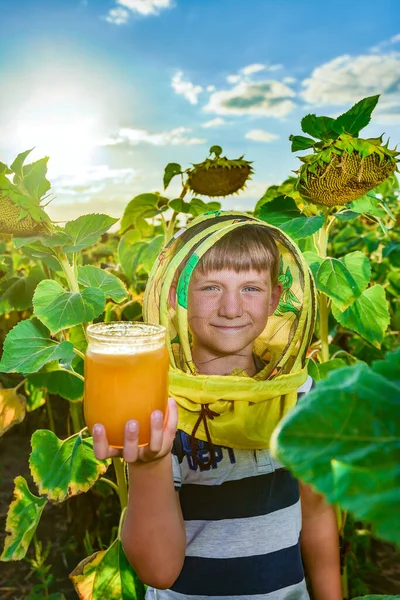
(244, 248)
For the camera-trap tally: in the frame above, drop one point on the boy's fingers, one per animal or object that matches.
(101, 448)
(172, 421)
(156, 434)
(131, 442)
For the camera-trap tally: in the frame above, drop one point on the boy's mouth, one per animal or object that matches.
(229, 327)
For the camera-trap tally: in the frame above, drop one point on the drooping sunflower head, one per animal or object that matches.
(219, 176)
(342, 166)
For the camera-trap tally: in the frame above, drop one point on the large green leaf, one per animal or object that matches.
(319, 371)
(58, 382)
(151, 252)
(22, 520)
(127, 248)
(34, 178)
(107, 574)
(303, 227)
(313, 260)
(16, 293)
(368, 204)
(86, 230)
(368, 315)
(282, 212)
(335, 280)
(300, 142)
(95, 277)
(59, 309)
(344, 439)
(144, 206)
(12, 408)
(28, 346)
(359, 267)
(357, 117)
(319, 127)
(64, 468)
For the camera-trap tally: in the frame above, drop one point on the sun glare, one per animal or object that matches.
(68, 141)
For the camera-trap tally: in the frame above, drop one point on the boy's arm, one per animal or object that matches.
(153, 533)
(320, 545)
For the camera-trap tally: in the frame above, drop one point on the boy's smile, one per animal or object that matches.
(227, 311)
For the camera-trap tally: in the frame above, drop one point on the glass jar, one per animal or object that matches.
(126, 377)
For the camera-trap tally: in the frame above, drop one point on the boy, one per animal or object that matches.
(207, 519)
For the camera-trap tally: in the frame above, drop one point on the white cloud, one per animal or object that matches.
(259, 135)
(121, 13)
(250, 69)
(174, 137)
(217, 122)
(117, 16)
(186, 88)
(289, 80)
(348, 79)
(211, 88)
(266, 98)
(395, 39)
(233, 78)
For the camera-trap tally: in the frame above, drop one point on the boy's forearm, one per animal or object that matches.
(153, 533)
(321, 556)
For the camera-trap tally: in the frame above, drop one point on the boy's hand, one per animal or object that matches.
(161, 438)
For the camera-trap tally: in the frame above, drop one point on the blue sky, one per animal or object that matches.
(113, 90)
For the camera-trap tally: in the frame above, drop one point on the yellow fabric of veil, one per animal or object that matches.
(242, 411)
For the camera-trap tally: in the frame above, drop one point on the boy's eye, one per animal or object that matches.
(252, 288)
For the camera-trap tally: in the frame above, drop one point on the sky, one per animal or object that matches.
(113, 90)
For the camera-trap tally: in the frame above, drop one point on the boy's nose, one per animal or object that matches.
(230, 306)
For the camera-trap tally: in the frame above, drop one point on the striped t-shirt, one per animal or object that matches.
(243, 522)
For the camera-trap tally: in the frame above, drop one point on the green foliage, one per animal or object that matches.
(282, 212)
(171, 170)
(55, 381)
(22, 520)
(368, 315)
(349, 433)
(143, 206)
(107, 574)
(64, 468)
(85, 231)
(59, 309)
(16, 293)
(94, 277)
(29, 346)
(12, 408)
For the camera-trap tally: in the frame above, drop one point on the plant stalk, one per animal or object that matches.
(50, 414)
(119, 467)
(68, 272)
(75, 410)
(322, 245)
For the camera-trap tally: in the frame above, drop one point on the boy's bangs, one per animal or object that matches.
(242, 250)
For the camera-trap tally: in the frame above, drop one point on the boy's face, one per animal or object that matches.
(227, 311)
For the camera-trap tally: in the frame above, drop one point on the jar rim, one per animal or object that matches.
(121, 332)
